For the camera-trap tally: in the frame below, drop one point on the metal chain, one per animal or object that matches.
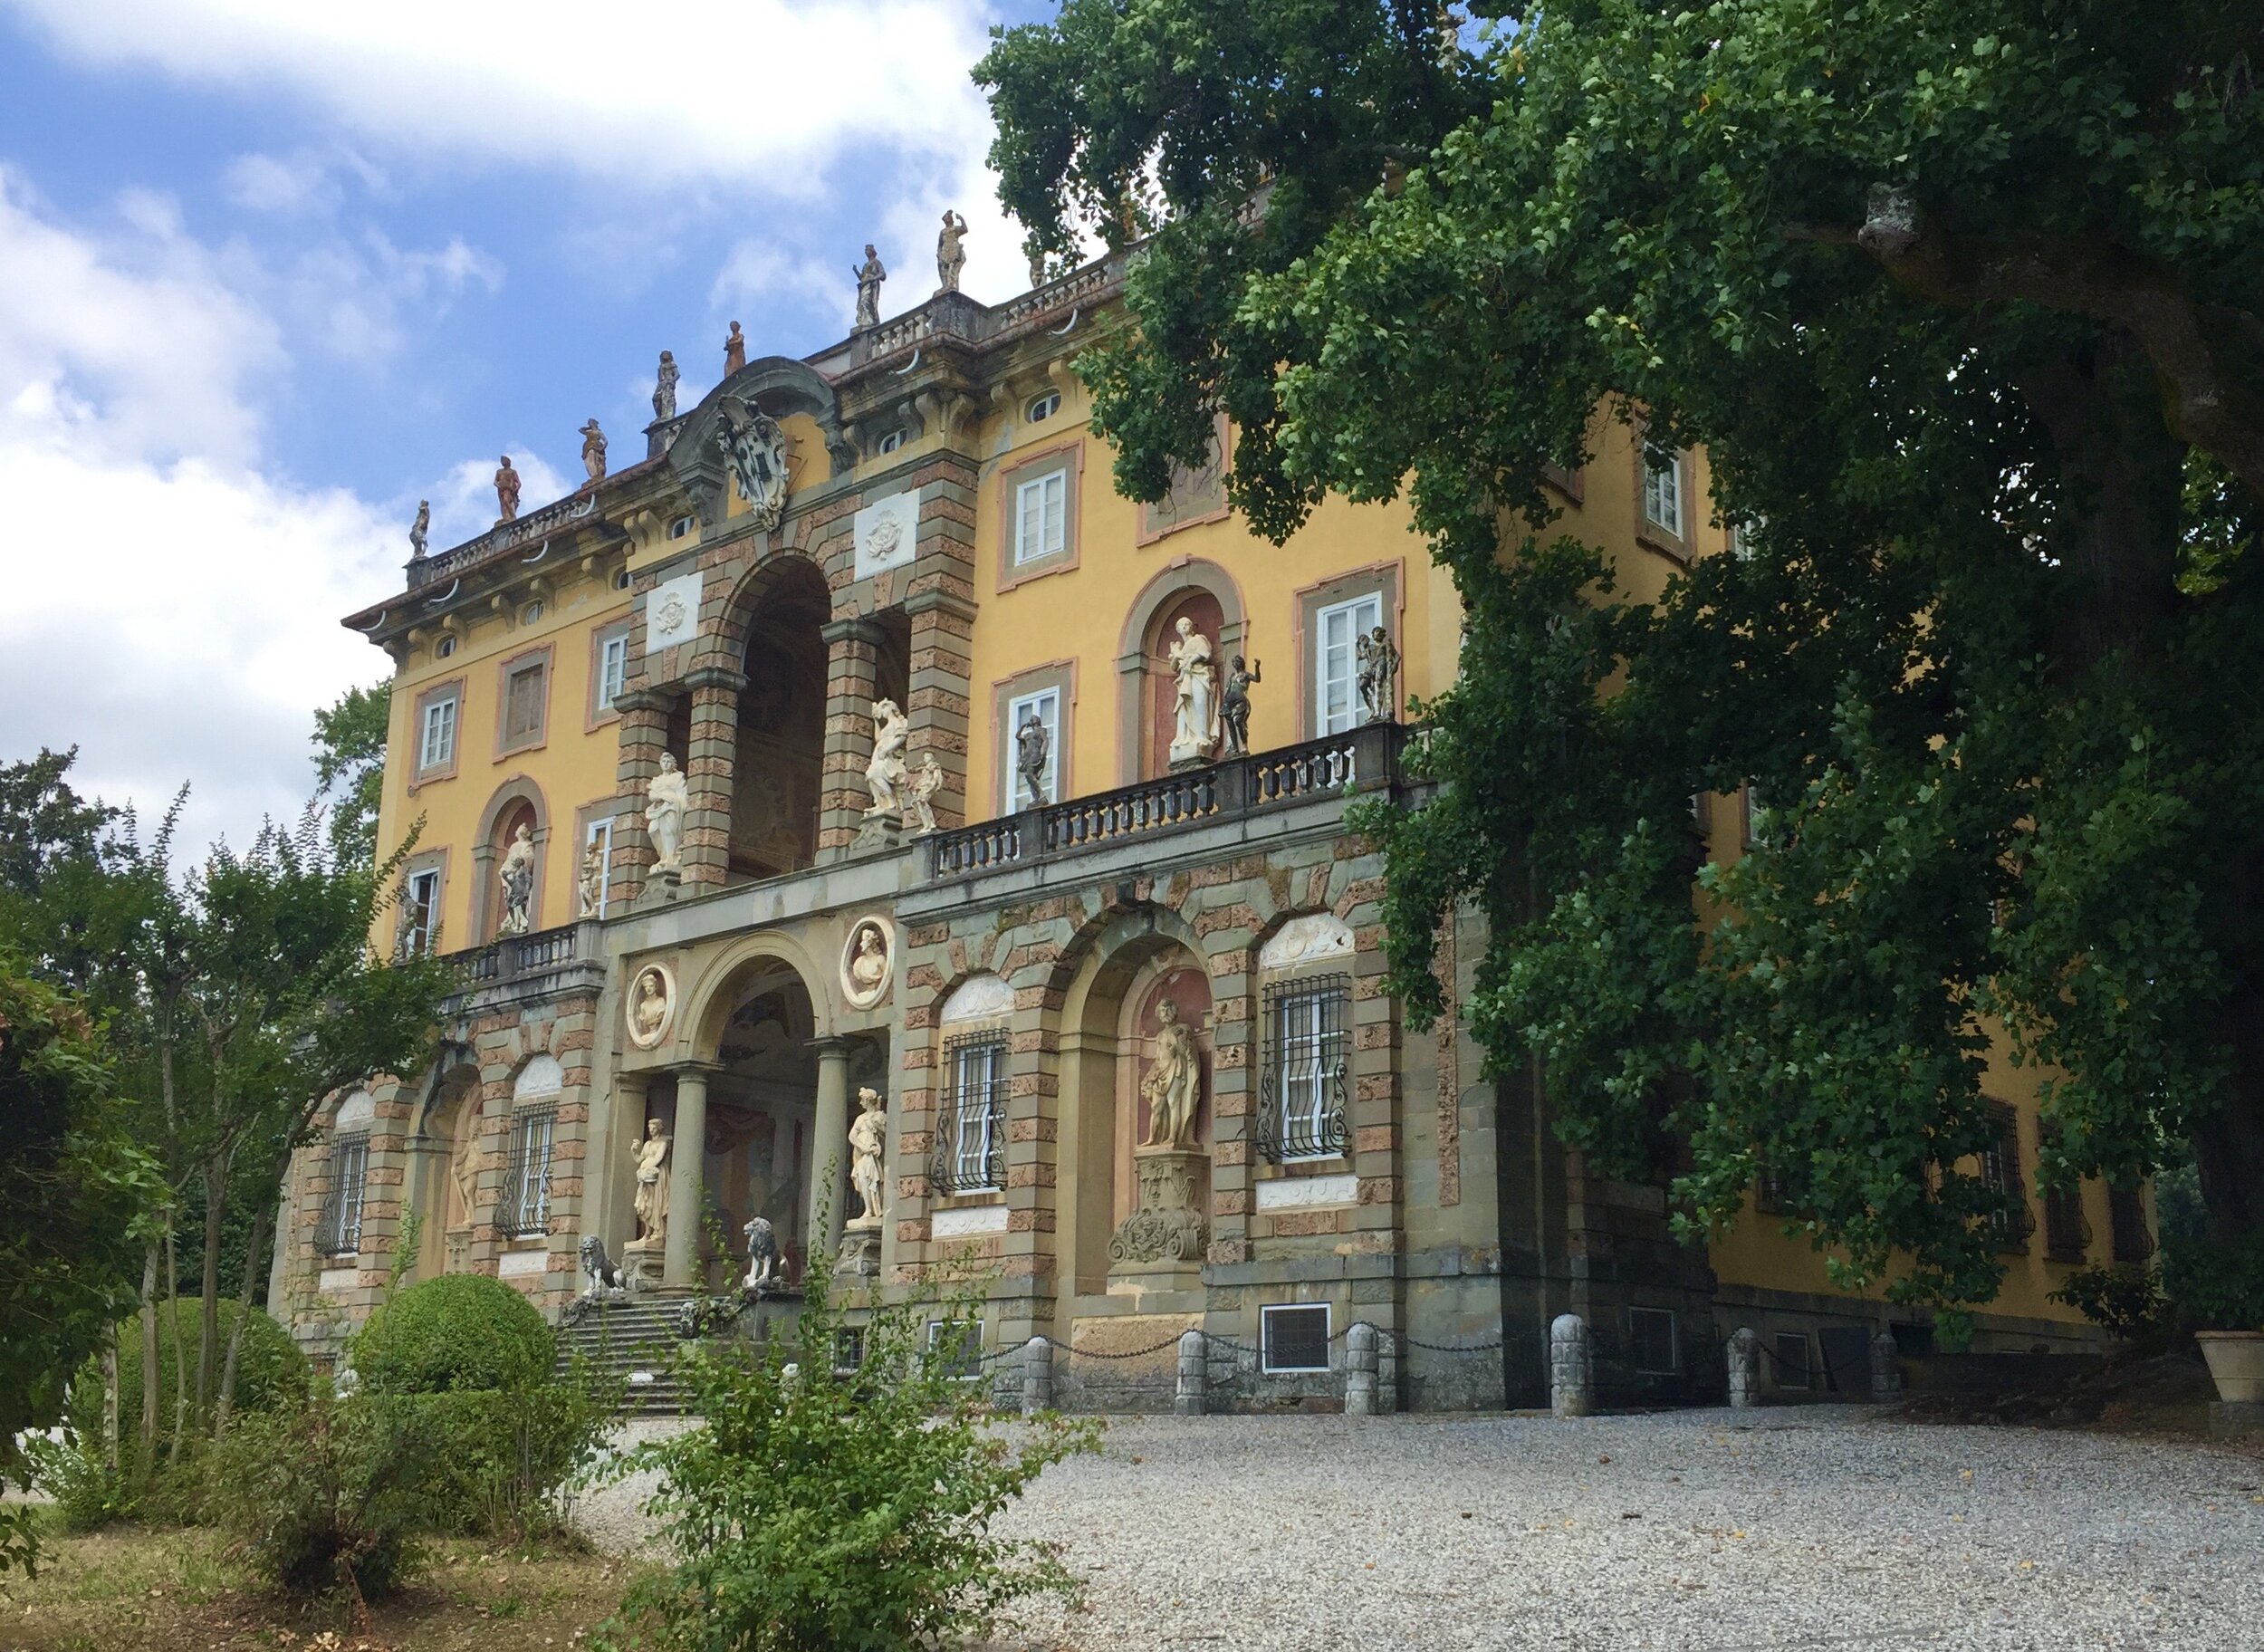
(1137, 1353)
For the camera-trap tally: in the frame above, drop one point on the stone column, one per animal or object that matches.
(686, 1173)
(941, 699)
(1744, 1353)
(1194, 1375)
(1571, 1367)
(644, 733)
(852, 661)
(829, 1149)
(708, 767)
(1359, 1370)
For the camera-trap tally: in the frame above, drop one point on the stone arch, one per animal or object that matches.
(1136, 672)
(1302, 935)
(768, 651)
(710, 1000)
(541, 1078)
(357, 1111)
(515, 802)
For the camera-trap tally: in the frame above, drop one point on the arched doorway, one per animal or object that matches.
(780, 750)
(760, 1111)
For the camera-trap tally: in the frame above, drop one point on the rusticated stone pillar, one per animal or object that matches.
(708, 766)
(941, 702)
(852, 663)
(643, 734)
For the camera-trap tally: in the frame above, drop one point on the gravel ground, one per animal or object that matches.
(1695, 1531)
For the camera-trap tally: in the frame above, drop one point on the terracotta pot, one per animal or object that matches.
(2236, 1359)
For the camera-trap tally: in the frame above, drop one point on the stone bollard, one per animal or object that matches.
(1887, 1365)
(1194, 1375)
(1744, 1348)
(1571, 1367)
(1037, 1375)
(1359, 1370)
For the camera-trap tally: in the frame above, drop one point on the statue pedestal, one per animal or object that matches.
(660, 888)
(643, 1265)
(1196, 759)
(861, 1252)
(877, 832)
(1164, 1241)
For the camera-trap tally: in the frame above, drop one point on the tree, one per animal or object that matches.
(350, 763)
(1961, 300)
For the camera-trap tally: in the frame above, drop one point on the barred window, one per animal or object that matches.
(957, 1347)
(2000, 1171)
(1301, 1114)
(1293, 1336)
(1772, 1192)
(2132, 1239)
(1651, 1339)
(1792, 1360)
(969, 1151)
(526, 1201)
(339, 1234)
(2067, 1236)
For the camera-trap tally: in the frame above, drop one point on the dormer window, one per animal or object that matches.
(531, 614)
(443, 647)
(890, 442)
(677, 528)
(1044, 408)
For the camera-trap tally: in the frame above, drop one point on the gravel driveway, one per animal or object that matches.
(1695, 1531)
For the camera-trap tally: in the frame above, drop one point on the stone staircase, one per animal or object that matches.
(634, 1341)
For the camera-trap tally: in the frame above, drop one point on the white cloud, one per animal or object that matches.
(463, 501)
(302, 182)
(758, 275)
(767, 91)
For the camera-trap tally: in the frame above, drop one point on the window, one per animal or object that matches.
(1336, 631)
(849, 1349)
(524, 703)
(443, 647)
(435, 744)
(424, 910)
(526, 1195)
(2132, 1239)
(1651, 1340)
(612, 669)
(1046, 703)
(1771, 1192)
(1303, 1076)
(621, 579)
(1663, 494)
(601, 834)
(1045, 407)
(679, 529)
(1794, 1368)
(1040, 523)
(1292, 1336)
(969, 1151)
(890, 441)
(531, 614)
(1741, 538)
(339, 1232)
(2067, 1236)
(1753, 805)
(2000, 1171)
(960, 1344)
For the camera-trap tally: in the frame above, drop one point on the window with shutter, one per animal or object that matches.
(523, 704)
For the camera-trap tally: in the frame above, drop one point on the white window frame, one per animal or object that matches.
(612, 669)
(526, 1201)
(424, 899)
(1042, 507)
(890, 441)
(1048, 701)
(1663, 494)
(1337, 662)
(1043, 406)
(1265, 1347)
(970, 1346)
(598, 828)
(436, 735)
(978, 1081)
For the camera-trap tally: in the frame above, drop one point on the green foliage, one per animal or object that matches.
(270, 1371)
(74, 1471)
(817, 1513)
(2124, 1299)
(504, 1459)
(1910, 272)
(456, 1331)
(350, 769)
(2216, 1287)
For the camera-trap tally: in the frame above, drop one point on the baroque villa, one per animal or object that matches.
(860, 736)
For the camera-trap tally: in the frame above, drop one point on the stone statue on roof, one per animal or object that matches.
(507, 491)
(664, 391)
(951, 254)
(593, 451)
(422, 527)
(869, 276)
(734, 350)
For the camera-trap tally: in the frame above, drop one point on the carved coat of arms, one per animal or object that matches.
(754, 449)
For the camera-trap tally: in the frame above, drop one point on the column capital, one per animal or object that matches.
(832, 1046)
(934, 599)
(716, 676)
(701, 1070)
(856, 628)
(641, 699)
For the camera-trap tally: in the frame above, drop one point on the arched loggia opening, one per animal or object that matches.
(780, 751)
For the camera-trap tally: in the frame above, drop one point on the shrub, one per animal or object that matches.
(504, 1459)
(87, 1492)
(270, 1372)
(2216, 1287)
(458, 1332)
(2125, 1299)
(847, 1514)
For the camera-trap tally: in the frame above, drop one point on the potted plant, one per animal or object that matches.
(2221, 1290)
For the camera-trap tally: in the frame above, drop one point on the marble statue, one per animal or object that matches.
(1195, 701)
(663, 389)
(593, 450)
(868, 1136)
(507, 491)
(592, 879)
(1033, 747)
(1234, 704)
(666, 797)
(762, 1254)
(734, 350)
(925, 784)
(1378, 664)
(869, 276)
(517, 876)
(755, 448)
(869, 968)
(649, 1012)
(951, 253)
(404, 922)
(463, 1164)
(604, 1275)
(884, 775)
(1174, 1083)
(420, 528)
(651, 1155)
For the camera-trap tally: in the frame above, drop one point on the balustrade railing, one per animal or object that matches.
(1358, 760)
(524, 955)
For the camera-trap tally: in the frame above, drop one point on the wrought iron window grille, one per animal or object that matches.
(339, 1232)
(1301, 1112)
(969, 1155)
(526, 1201)
(2000, 1170)
(2129, 1238)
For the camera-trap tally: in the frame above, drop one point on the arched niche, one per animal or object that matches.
(1201, 592)
(775, 628)
(517, 802)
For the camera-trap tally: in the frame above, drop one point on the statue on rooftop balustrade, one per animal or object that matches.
(663, 391)
(734, 350)
(593, 450)
(507, 491)
(869, 276)
(420, 528)
(951, 253)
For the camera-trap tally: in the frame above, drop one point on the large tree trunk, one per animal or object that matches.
(251, 1248)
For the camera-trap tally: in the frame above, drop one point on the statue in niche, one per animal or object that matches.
(1174, 1083)
(868, 1136)
(755, 448)
(1195, 702)
(663, 389)
(651, 1155)
(419, 529)
(517, 876)
(951, 253)
(1033, 746)
(884, 775)
(925, 784)
(1234, 704)
(593, 879)
(869, 276)
(868, 964)
(593, 450)
(1378, 665)
(463, 1164)
(734, 350)
(666, 797)
(507, 491)
(649, 1014)
(405, 916)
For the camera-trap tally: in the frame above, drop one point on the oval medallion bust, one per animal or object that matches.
(651, 1005)
(869, 961)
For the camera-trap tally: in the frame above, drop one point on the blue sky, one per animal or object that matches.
(271, 272)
